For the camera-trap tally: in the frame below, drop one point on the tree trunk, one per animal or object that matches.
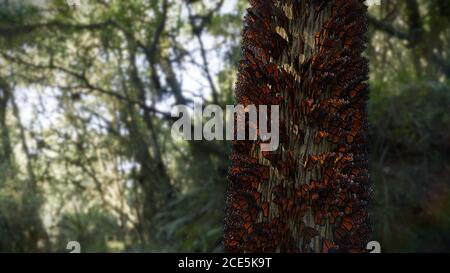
(152, 176)
(6, 149)
(311, 194)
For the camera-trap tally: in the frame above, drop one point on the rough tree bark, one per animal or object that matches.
(311, 194)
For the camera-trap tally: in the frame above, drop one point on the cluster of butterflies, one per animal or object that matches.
(332, 103)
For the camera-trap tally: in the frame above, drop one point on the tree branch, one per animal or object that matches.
(10, 32)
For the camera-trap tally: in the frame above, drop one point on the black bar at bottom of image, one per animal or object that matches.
(215, 262)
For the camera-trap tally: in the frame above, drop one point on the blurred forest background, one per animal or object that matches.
(85, 148)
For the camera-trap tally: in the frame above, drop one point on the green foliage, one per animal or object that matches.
(19, 234)
(409, 165)
(94, 228)
(411, 118)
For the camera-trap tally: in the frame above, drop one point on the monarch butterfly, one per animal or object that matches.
(240, 204)
(348, 209)
(319, 136)
(347, 223)
(246, 225)
(328, 246)
(246, 217)
(317, 38)
(232, 243)
(257, 197)
(265, 209)
(339, 233)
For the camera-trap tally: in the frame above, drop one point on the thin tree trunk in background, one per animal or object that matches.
(29, 164)
(6, 149)
(152, 176)
(36, 231)
(311, 194)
